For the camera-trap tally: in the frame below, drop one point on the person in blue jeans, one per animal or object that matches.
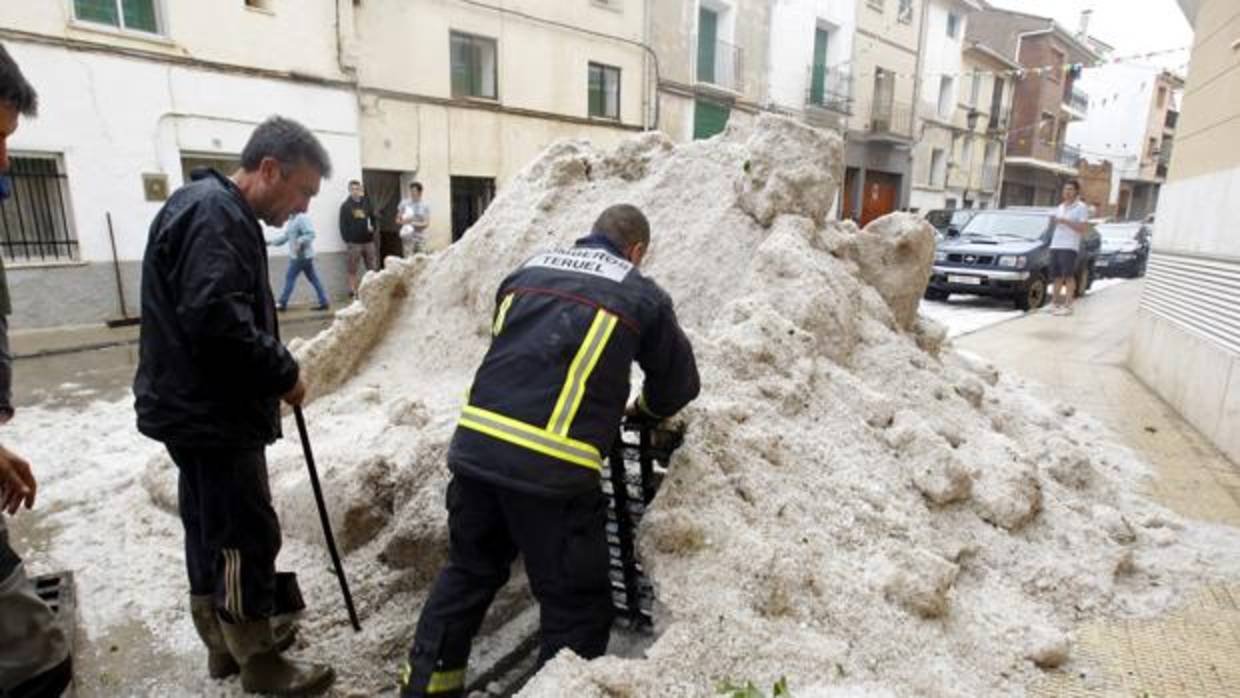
(299, 234)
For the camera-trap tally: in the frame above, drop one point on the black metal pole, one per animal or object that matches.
(327, 526)
(116, 266)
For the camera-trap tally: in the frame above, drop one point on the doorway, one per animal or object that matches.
(470, 198)
(882, 191)
(383, 190)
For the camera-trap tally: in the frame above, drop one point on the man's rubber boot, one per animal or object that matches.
(263, 670)
(220, 664)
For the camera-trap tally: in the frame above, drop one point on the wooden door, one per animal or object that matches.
(882, 190)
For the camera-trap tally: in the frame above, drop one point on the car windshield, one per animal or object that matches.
(1029, 226)
(960, 217)
(1114, 231)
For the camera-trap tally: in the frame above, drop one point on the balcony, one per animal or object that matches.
(829, 88)
(719, 64)
(996, 123)
(1069, 156)
(1173, 118)
(1076, 103)
(1163, 163)
(891, 119)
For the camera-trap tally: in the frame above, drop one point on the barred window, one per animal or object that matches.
(35, 225)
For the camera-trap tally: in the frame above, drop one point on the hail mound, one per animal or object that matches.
(854, 508)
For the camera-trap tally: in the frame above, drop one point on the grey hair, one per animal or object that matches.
(289, 143)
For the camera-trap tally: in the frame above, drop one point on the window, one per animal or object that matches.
(1046, 128)
(905, 14)
(264, 5)
(946, 85)
(818, 70)
(1056, 67)
(1151, 148)
(707, 49)
(470, 198)
(953, 25)
(966, 152)
(938, 167)
(1162, 97)
(709, 118)
(133, 15)
(34, 222)
(473, 66)
(975, 90)
(224, 164)
(604, 88)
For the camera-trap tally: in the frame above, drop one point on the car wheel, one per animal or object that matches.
(1034, 295)
(933, 294)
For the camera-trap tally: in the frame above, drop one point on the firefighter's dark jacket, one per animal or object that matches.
(547, 401)
(211, 367)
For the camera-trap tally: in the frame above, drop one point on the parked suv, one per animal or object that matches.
(1006, 253)
(947, 221)
(1125, 249)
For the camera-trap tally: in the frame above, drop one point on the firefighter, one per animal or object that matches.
(545, 406)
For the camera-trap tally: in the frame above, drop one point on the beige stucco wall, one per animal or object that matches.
(297, 35)
(1210, 105)
(883, 41)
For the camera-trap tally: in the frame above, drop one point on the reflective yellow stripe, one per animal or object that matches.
(579, 372)
(444, 681)
(528, 436)
(503, 313)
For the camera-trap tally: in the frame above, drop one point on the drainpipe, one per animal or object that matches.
(906, 193)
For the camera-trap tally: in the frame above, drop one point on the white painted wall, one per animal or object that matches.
(112, 119)
(1119, 107)
(943, 56)
(793, 23)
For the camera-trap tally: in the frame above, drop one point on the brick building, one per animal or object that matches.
(1096, 186)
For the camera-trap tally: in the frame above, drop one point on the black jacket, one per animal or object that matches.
(211, 367)
(547, 401)
(356, 221)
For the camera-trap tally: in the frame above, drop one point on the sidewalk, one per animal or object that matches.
(27, 344)
(1082, 360)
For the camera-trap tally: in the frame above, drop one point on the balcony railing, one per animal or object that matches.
(996, 123)
(829, 88)
(1077, 100)
(1069, 156)
(722, 68)
(1173, 118)
(891, 118)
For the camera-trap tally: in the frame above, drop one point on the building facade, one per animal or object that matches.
(712, 63)
(1186, 341)
(880, 130)
(1132, 122)
(1047, 98)
(133, 96)
(810, 75)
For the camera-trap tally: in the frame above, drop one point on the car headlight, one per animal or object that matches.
(1009, 260)
(940, 256)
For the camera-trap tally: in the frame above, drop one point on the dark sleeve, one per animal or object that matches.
(216, 283)
(666, 357)
(344, 221)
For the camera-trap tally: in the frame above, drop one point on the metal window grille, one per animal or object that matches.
(35, 225)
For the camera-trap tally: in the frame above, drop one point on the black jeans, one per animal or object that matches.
(232, 534)
(564, 544)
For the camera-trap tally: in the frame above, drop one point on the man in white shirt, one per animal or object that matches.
(413, 216)
(1071, 224)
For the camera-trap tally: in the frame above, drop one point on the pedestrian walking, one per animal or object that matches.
(545, 406)
(414, 217)
(1071, 223)
(357, 228)
(211, 374)
(299, 234)
(34, 652)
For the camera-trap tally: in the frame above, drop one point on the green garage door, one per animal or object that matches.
(709, 118)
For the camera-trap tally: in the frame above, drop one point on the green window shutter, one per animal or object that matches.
(708, 119)
(818, 80)
(708, 35)
(596, 91)
(460, 66)
(140, 15)
(102, 11)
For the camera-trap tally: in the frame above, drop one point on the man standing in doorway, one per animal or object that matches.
(413, 217)
(34, 652)
(357, 227)
(546, 404)
(1071, 224)
(211, 374)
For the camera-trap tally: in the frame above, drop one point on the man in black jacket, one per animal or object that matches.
(357, 228)
(545, 407)
(211, 374)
